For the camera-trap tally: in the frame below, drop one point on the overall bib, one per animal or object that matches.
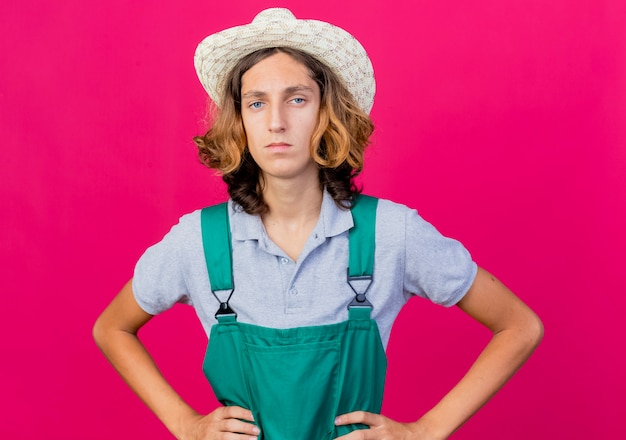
(297, 380)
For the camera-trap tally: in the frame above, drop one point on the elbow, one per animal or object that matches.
(533, 332)
(96, 332)
(538, 330)
(99, 332)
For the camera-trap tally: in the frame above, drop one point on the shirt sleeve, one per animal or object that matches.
(159, 281)
(437, 267)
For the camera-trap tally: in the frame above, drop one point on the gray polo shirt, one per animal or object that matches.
(272, 290)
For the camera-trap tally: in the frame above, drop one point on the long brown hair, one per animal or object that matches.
(337, 145)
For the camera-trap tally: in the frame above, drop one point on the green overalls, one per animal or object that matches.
(297, 380)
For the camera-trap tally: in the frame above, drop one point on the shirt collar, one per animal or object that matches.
(333, 221)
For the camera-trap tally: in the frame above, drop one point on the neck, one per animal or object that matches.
(292, 201)
(294, 209)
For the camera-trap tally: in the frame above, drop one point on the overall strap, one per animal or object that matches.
(216, 240)
(362, 251)
(362, 237)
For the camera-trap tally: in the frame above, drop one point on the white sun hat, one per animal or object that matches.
(218, 53)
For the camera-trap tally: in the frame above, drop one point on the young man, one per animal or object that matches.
(298, 279)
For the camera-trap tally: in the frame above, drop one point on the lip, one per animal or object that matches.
(278, 146)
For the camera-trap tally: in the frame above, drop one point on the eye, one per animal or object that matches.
(298, 100)
(256, 105)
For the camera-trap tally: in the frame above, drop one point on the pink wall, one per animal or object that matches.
(502, 122)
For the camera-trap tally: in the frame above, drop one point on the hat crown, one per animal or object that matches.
(274, 14)
(219, 53)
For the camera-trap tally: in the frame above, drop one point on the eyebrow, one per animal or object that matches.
(288, 91)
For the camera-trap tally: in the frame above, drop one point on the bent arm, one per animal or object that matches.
(516, 333)
(115, 332)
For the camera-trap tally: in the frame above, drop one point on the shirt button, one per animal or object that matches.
(294, 291)
(284, 260)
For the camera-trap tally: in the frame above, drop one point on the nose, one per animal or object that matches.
(277, 123)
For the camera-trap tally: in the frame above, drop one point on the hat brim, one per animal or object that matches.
(218, 53)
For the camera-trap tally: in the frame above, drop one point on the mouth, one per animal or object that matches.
(278, 146)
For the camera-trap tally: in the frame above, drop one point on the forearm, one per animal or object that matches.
(516, 330)
(115, 332)
(133, 362)
(500, 359)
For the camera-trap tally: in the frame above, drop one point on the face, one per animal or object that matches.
(279, 107)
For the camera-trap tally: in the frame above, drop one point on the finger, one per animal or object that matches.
(359, 434)
(366, 418)
(239, 427)
(234, 436)
(236, 412)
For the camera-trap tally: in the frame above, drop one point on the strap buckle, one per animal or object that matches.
(224, 309)
(360, 285)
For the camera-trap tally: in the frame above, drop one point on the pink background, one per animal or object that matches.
(503, 122)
